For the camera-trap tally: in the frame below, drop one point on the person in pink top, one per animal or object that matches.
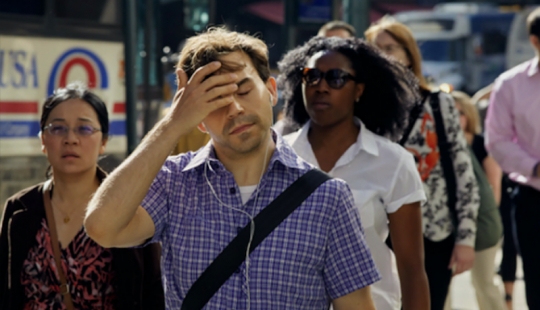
(513, 139)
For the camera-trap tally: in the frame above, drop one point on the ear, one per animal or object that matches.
(535, 41)
(103, 145)
(271, 85)
(359, 91)
(43, 147)
(202, 128)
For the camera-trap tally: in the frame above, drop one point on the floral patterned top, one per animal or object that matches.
(87, 266)
(422, 143)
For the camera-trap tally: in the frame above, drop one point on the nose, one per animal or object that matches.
(234, 109)
(71, 137)
(322, 86)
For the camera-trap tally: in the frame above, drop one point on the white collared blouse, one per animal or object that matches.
(382, 176)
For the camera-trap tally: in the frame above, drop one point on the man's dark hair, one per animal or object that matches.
(336, 25)
(390, 88)
(533, 23)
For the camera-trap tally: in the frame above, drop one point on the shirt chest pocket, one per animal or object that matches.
(364, 201)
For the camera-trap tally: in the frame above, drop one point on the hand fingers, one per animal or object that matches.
(219, 91)
(462, 266)
(221, 102)
(181, 79)
(459, 269)
(453, 261)
(204, 71)
(218, 80)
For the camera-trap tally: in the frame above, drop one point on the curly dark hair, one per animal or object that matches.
(390, 88)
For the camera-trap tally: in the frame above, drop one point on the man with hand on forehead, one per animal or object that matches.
(196, 203)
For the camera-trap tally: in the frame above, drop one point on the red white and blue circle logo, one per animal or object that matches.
(89, 61)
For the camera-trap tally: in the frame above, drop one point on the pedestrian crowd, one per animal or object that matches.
(372, 191)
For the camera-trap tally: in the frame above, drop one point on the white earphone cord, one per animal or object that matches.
(251, 220)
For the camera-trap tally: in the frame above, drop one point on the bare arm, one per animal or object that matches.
(114, 217)
(357, 300)
(494, 176)
(408, 244)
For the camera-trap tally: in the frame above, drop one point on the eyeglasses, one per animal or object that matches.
(63, 130)
(335, 78)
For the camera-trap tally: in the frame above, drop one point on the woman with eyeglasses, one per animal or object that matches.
(350, 103)
(450, 213)
(74, 132)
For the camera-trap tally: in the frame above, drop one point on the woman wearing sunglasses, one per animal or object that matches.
(350, 102)
(43, 225)
(449, 217)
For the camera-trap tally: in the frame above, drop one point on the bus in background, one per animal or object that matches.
(462, 44)
(46, 44)
(519, 48)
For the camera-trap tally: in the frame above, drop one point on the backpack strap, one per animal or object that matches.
(230, 259)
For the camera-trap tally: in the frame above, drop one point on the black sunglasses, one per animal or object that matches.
(335, 78)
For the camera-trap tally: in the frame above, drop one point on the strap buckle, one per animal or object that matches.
(64, 289)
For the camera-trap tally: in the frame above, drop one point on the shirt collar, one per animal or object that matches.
(533, 69)
(364, 141)
(283, 154)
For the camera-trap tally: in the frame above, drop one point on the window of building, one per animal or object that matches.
(23, 7)
(105, 12)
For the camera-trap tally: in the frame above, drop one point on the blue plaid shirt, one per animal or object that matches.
(316, 255)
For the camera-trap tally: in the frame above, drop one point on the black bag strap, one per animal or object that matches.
(444, 151)
(230, 259)
(413, 117)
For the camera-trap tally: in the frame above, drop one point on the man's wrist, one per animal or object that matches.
(177, 128)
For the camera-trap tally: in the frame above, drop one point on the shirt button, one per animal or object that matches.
(232, 190)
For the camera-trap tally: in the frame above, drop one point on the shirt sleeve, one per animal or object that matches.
(468, 197)
(156, 203)
(4, 254)
(501, 134)
(407, 186)
(348, 263)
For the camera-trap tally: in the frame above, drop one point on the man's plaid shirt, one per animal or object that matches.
(316, 255)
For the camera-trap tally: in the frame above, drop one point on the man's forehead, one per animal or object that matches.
(236, 62)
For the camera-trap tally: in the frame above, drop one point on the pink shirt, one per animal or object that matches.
(513, 122)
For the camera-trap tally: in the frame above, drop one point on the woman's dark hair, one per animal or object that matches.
(390, 88)
(76, 91)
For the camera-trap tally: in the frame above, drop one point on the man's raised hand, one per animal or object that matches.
(198, 97)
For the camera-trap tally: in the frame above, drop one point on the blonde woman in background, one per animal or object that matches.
(487, 293)
(469, 120)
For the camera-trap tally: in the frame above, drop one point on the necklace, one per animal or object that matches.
(67, 217)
